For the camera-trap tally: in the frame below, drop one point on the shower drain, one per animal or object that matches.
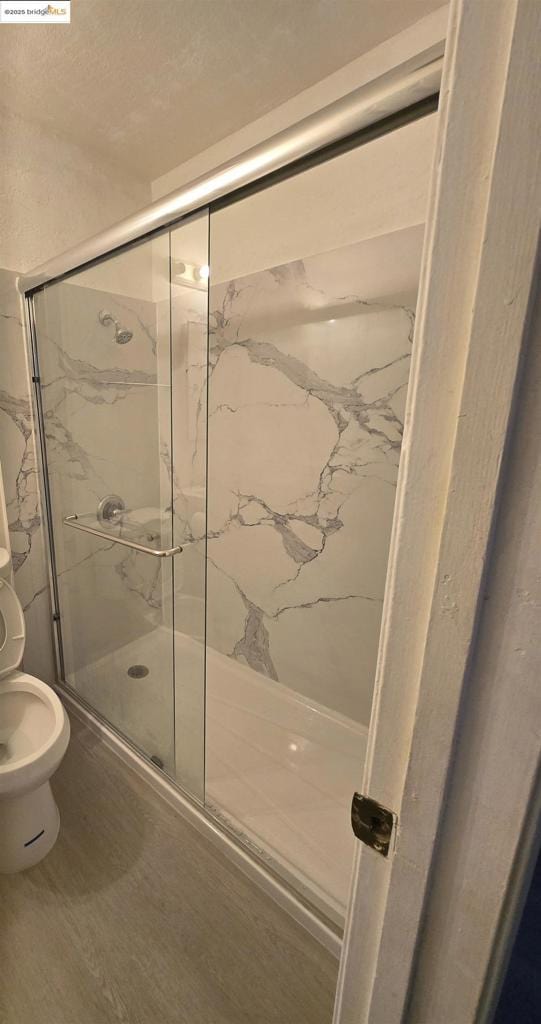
(138, 671)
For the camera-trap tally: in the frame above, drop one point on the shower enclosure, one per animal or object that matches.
(221, 408)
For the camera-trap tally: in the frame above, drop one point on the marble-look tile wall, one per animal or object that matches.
(306, 405)
(306, 401)
(107, 413)
(100, 403)
(18, 458)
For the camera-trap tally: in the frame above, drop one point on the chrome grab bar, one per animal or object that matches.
(158, 553)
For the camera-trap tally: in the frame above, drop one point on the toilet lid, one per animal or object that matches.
(11, 629)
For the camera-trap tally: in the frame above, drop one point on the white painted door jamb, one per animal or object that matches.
(480, 251)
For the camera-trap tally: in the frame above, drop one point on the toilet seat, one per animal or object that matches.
(11, 613)
(51, 735)
(34, 735)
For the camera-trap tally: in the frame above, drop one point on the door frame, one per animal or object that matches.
(471, 331)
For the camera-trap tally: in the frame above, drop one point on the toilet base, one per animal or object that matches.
(29, 826)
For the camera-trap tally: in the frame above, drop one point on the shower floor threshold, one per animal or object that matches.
(280, 769)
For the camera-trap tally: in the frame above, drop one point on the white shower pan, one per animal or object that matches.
(280, 769)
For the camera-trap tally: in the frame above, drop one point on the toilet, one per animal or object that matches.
(34, 735)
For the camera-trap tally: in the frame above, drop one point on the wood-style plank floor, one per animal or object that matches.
(135, 917)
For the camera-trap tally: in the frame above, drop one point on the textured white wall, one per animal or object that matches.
(357, 73)
(55, 194)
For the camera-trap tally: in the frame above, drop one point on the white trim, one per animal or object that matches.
(482, 236)
(208, 827)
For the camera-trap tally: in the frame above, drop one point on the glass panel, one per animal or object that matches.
(313, 291)
(104, 356)
(189, 320)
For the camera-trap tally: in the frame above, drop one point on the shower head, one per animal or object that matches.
(122, 334)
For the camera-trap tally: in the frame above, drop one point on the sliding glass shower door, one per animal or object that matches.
(118, 347)
(312, 306)
(222, 471)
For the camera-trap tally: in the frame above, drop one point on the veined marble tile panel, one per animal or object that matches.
(109, 445)
(74, 344)
(306, 404)
(101, 404)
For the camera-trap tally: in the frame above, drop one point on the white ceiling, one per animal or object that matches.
(150, 83)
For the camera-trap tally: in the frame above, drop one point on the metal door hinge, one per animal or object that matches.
(372, 823)
(36, 380)
(56, 616)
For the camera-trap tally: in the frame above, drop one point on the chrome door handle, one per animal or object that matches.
(158, 553)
